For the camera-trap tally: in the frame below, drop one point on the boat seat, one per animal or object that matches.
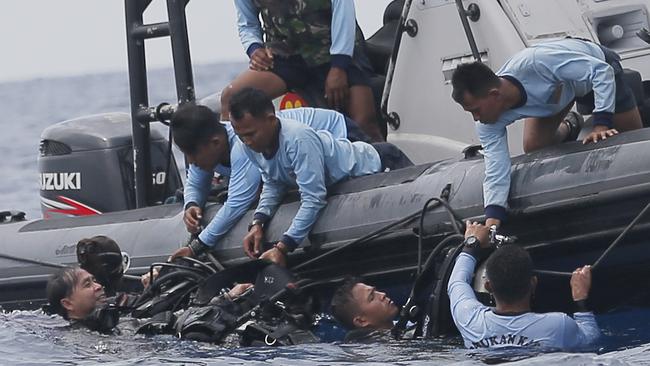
(380, 45)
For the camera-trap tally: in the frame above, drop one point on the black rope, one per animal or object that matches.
(381, 231)
(616, 241)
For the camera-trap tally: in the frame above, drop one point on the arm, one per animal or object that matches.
(577, 67)
(343, 33)
(270, 198)
(242, 191)
(197, 186)
(463, 302)
(248, 24)
(496, 185)
(309, 166)
(580, 331)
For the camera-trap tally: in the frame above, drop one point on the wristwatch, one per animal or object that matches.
(255, 222)
(472, 242)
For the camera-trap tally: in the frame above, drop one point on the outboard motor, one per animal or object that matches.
(86, 167)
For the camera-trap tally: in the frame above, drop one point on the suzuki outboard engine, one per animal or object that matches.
(86, 167)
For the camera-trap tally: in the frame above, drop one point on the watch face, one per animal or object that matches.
(471, 241)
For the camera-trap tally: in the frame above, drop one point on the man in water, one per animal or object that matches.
(290, 154)
(511, 281)
(540, 84)
(365, 311)
(307, 41)
(369, 314)
(211, 146)
(74, 294)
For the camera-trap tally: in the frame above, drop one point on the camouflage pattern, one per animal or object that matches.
(298, 27)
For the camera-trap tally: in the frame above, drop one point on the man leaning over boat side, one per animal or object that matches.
(540, 84)
(212, 146)
(511, 281)
(291, 154)
(307, 41)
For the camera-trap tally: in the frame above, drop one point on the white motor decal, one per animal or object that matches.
(60, 181)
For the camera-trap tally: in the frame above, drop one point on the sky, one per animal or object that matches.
(48, 38)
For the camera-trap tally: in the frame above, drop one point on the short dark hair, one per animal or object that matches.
(250, 100)
(476, 78)
(193, 125)
(509, 270)
(343, 307)
(59, 286)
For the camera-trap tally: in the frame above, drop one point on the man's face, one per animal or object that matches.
(256, 132)
(85, 296)
(210, 153)
(375, 308)
(486, 109)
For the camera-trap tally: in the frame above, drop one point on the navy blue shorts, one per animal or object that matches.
(625, 100)
(293, 70)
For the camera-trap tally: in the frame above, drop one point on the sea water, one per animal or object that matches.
(33, 338)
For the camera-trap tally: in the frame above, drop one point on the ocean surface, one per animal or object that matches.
(33, 338)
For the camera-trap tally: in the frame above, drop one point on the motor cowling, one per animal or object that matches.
(86, 167)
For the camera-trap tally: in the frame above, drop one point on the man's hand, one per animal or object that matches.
(239, 289)
(261, 60)
(336, 89)
(599, 132)
(192, 219)
(492, 221)
(182, 252)
(480, 231)
(146, 279)
(581, 283)
(253, 241)
(276, 256)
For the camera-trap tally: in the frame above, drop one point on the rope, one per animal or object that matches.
(607, 251)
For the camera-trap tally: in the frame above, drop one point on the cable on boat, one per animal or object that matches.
(54, 265)
(616, 241)
(384, 229)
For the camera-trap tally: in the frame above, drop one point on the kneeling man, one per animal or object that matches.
(290, 154)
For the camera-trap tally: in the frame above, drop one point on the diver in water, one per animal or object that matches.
(540, 84)
(74, 294)
(303, 42)
(291, 154)
(367, 313)
(511, 281)
(211, 146)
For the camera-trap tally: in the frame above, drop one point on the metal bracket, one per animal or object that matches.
(411, 28)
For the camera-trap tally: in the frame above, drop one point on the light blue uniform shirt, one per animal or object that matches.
(309, 160)
(244, 176)
(482, 328)
(343, 26)
(552, 74)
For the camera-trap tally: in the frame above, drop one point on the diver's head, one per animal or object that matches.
(510, 275)
(200, 135)
(253, 118)
(73, 293)
(357, 305)
(102, 257)
(476, 89)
